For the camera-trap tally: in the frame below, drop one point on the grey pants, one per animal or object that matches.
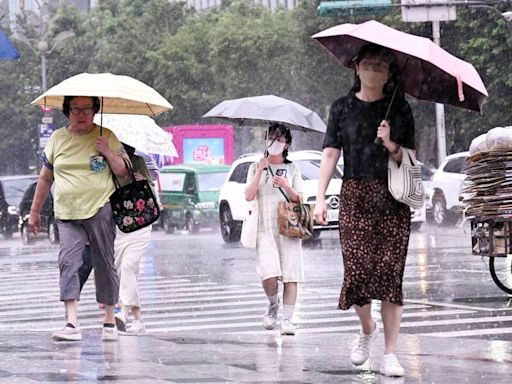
(100, 232)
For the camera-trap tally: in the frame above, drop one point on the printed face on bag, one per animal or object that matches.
(293, 216)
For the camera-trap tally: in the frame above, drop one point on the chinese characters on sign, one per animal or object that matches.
(208, 150)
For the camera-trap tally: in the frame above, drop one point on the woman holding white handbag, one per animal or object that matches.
(374, 227)
(278, 257)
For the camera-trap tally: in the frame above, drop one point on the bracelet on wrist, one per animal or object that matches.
(396, 150)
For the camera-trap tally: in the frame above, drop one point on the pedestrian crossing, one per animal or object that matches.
(194, 303)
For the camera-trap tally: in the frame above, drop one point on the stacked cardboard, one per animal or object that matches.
(487, 189)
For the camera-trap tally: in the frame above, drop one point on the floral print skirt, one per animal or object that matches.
(374, 235)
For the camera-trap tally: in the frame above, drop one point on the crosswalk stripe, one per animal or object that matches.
(193, 303)
(471, 332)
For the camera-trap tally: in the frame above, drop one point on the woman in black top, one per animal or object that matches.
(374, 228)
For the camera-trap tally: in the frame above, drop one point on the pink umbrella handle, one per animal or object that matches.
(459, 87)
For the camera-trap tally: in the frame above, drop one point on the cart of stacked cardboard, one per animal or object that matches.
(487, 194)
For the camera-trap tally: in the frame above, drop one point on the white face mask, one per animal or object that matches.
(275, 148)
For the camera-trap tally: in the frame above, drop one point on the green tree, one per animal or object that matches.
(197, 59)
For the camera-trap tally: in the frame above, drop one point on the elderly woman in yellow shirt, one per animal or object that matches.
(81, 159)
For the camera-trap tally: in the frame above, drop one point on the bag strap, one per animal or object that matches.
(284, 194)
(128, 166)
(412, 159)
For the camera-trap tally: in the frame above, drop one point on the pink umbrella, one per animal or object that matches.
(428, 71)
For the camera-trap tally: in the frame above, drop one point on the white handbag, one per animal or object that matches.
(249, 232)
(404, 180)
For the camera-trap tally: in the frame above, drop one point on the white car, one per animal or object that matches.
(233, 206)
(419, 215)
(445, 208)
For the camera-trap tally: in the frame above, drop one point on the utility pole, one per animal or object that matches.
(440, 126)
(433, 11)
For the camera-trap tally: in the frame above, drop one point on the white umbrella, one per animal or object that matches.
(140, 132)
(118, 94)
(268, 108)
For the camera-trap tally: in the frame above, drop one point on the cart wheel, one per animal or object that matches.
(501, 272)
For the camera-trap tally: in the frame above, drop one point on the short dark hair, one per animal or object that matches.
(67, 103)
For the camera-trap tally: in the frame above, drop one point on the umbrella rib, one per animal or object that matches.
(149, 107)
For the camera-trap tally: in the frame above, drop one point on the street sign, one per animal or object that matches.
(335, 8)
(47, 119)
(45, 131)
(429, 12)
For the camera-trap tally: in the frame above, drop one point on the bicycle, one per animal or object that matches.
(493, 238)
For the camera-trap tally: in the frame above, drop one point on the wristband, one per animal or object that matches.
(395, 151)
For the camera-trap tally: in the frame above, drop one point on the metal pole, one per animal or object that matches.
(43, 72)
(440, 127)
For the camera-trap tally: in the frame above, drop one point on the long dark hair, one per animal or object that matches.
(373, 50)
(281, 130)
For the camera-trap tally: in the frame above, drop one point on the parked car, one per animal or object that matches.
(189, 195)
(232, 203)
(48, 228)
(11, 193)
(444, 207)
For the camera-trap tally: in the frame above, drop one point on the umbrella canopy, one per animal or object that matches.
(7, 49)
(140, 132)
(268, 108)
(119, 94)
(428, 71)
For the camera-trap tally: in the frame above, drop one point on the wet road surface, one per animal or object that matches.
(202, 299)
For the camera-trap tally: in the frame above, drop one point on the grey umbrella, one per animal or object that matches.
(268, 108)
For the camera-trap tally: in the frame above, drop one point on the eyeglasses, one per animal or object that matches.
(76, 111)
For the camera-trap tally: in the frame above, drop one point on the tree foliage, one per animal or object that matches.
(197, 59)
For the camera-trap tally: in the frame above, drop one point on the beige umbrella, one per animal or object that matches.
(140, 132)
(118, 94)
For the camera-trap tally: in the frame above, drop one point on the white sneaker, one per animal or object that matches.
(361, 349)
(287, 327)
(109, 334)
(389, 366)
(270, 317)
(68, 333)
(136, 328)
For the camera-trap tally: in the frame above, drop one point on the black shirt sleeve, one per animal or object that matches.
(332, 137)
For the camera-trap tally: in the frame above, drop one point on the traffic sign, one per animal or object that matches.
(433, 10)
(336, 8)
(45, 131)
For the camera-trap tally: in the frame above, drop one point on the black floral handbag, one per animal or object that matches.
(134, 206)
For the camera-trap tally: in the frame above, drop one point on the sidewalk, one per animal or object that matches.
(203, 358)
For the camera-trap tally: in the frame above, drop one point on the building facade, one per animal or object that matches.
(15, 7)
(202, 5)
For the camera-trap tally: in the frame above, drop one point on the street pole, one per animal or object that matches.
(440, 127)
(43, 72)
(43, 48)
